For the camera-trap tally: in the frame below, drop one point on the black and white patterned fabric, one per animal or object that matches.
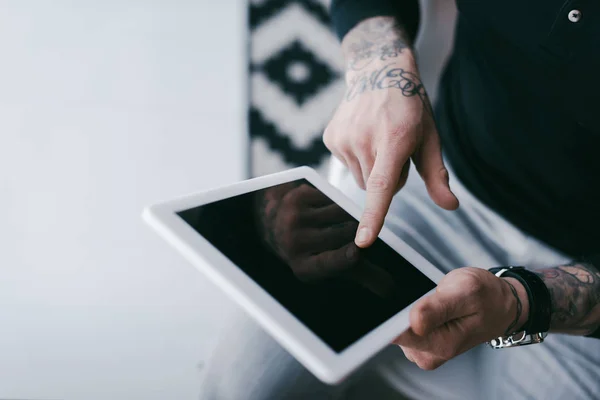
(296, 81)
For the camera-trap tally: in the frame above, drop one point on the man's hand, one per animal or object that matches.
(470, 307)
(384, 121)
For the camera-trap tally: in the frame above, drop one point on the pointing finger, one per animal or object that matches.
(381, 187)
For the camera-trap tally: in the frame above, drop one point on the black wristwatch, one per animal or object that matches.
(540, 306)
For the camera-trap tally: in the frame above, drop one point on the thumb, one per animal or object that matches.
(429, 163)
(436, 310)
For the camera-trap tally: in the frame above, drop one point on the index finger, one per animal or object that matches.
(381, 187)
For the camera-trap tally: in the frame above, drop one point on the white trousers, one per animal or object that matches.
(249, 365)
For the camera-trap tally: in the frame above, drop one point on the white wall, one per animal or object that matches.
(106, 106)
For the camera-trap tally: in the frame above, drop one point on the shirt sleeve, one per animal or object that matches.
(345, 14)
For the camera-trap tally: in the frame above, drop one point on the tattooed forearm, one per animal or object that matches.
(379, 38)
(575, 295)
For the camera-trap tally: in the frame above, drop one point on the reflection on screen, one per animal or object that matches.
(298, 245)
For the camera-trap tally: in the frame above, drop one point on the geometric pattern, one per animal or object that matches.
(298, 72)
(296, 82)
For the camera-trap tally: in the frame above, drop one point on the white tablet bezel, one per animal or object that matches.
(295, 337)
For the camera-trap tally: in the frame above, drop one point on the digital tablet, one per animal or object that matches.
(282, 246)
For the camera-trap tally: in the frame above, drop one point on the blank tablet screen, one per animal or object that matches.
(298, 245)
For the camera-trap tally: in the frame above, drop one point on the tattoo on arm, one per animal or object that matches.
(373, 49)
(575, 295)
(379, 38)
(513, 325)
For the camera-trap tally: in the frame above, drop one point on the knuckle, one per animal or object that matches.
(473, 285)
(363, 142)
(379, 183)
(342, 144)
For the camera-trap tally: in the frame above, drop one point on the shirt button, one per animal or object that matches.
(574, 15)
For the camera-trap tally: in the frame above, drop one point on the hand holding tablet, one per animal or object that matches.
(283, 247)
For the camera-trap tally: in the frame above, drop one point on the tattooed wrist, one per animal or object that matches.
(512, 328)
(388, 77)
(575, 296)
(364, 53)
(375, 39)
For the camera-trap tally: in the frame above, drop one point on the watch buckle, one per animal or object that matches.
(525, 339)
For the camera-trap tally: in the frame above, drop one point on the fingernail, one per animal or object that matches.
(363, 235)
